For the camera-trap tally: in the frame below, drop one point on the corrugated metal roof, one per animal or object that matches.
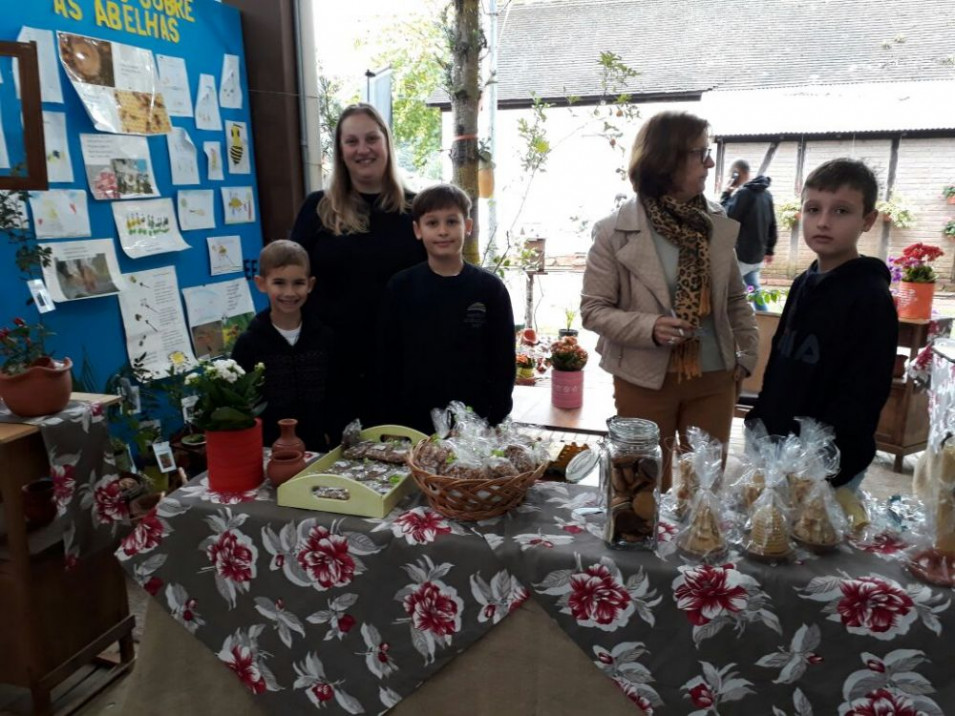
(690, 46)
(832, 109)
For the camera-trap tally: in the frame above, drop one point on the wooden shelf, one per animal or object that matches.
(52, 620)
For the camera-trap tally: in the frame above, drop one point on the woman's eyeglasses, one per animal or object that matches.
(703, 153)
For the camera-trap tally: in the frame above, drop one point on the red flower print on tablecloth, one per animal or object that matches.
(715, 687)
(621, 664)
(876, 606)
(502, 596)
(336, 616)
(64, 480)
(598, 596)
(887, 545)
(145, 538)
(377, 653)
(104, 499)
(420, 525)
(240, 652)
(310, 676)
(324, 557)
(232, 554)
(183, 608)
(714, 596)
(792, 661)
(433, 607)
(200, 489)
(313, 555)
(539, 540)
(889, 686)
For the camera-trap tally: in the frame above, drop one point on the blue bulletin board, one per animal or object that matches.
(201, 32)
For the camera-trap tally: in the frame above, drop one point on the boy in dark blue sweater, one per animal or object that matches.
(447, 329)
(834, 350)
(296, 349)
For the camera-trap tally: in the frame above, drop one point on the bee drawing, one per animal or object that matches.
(236, 149)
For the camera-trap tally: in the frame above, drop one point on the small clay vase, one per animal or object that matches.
(39, 509)
(288, 440)
(284, 464)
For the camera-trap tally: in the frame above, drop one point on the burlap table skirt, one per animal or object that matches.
(524, 666)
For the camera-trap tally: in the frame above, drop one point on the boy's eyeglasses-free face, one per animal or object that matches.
(703, 153)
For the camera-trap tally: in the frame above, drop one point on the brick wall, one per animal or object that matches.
(925, 166)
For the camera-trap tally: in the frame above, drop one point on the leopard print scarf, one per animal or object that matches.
(688, 227)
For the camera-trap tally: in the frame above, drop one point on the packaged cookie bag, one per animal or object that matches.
(705, 455)
(703, 538)
(767, 538)
(819, 523)
(630, 480)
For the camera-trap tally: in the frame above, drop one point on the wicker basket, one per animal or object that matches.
(472, 500)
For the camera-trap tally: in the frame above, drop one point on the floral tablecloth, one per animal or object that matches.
(353, 614)
(312, 609)
(848, 633)
(91, 511)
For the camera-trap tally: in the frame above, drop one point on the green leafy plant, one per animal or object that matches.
(30, 255)
(567, 354)
(949, 191)
(570, 314)
(788, 213)
(485, 158)
(229, 398)
(22, 346)
(897, 211)
(766, 295)
(949, 229)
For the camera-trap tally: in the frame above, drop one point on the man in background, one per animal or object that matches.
(751, 204)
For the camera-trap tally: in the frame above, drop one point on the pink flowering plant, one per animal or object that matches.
(915, 263)
(567, 354)
(22, 346)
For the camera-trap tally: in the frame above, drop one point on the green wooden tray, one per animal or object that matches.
(362, 501)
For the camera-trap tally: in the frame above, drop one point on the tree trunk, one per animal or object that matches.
(465, 92)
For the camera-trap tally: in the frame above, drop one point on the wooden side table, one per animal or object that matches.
(52, 621)
(903, 425)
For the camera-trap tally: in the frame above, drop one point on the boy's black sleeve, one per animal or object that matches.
(244, 353)
(501, 359)
(854, 411)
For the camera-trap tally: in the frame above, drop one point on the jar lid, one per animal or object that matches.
(581, 465)
(632, 430)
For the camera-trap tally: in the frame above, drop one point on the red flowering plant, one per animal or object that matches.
(567, 354)
(23, 346)
(915, 263)
(525, 360)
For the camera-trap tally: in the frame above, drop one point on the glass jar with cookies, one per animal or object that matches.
(630, 482)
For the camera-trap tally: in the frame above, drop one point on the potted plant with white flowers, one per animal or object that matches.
(229, 403)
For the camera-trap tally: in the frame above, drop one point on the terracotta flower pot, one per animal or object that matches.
(287, 439)
(39, 509)
(914, 300)
(234, 458)
(42, 389)
(284, 465)
(567, 388)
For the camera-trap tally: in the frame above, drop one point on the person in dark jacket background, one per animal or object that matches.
(751, 204)
(296, 348)
(834, 350)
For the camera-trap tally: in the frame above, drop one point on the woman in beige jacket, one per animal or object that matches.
(662, 290)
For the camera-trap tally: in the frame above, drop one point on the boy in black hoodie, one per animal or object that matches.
(446, 328)
(833, 352)
(295, 349)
